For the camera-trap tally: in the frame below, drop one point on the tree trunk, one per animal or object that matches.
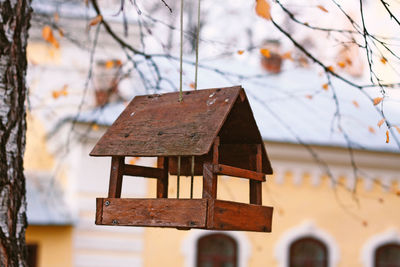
(14, 25)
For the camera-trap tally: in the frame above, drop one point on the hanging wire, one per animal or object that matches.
(181, 56)
(197, 45)
(178, 177)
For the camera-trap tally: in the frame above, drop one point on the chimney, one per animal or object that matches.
(271, 61)
(105, 81)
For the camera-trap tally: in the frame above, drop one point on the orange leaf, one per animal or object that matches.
(330, 68)
(47, 34)
(55, 94)
(381, 122)
(56, 17)
(377, 100)
(325, 86)
(383, 60)
(348, 61)
(288, 55)
(96, 20)
(95, 127)
(240, 52)
(397, 128)
(371, 129)
(265, 52)
(263, 9)
(191, 85)
(387, 136)
(309, 97)
(322, 8)
(109, 64)
(341, 64)
(118, 62)
(355, 103)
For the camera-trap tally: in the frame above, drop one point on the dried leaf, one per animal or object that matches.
(383, 60)
(381, 122)
(240, 52)
(288, 55)
(397, 128)
(109, 64)
(365, 223)
(47, 34)
(56, 17)
(330, 68)
(325, 86)
(96, 20)
(349, 61)
(263, 9)
(191, 85)
(265, 52)
(377, 100)
(309, 97)
(95, 127)
(355, 103)
(341, 64)
(371, 129)
(387, 136)
(118, 62)
(322, 8)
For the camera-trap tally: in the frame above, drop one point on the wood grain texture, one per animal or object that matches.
(255, 190)
(116, 175)
(228, 215)
(99, 210)
(141, 171)
(238, 172)
(182, 213)
(159, 125)
(162, 182)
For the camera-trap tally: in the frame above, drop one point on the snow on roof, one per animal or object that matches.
(45, 204)
(293, 107)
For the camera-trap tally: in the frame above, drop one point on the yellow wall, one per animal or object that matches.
(54, 244)
(350, 219)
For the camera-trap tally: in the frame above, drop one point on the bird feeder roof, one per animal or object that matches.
(160, 125)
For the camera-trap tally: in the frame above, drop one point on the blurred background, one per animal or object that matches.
(324, 89)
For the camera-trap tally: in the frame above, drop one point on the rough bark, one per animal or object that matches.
(14, 25)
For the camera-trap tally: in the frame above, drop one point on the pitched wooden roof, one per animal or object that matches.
(159, 125)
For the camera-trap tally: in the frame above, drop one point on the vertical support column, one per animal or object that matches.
(116, 174)
(210, 179)
(162, 182)
(256, 186)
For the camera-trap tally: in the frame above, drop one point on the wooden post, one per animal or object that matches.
(162, 182)
(116, 174)
(210, 178)
(256, 186)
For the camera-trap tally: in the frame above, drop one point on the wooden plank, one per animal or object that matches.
(159, 125)
(228, 215)
(116, 175)
(238, 172)
(182, 213)
(255, 186)
(99, 210)
(210, 178)
(162, 182)
(141, 171)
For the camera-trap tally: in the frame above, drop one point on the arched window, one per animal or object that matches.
(216, 250)
(388, 255)
(308, 252)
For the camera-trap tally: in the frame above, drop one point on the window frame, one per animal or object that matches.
(382, 247)
(217, 235)
(319, 242)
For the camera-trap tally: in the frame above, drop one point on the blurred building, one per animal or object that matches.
(335, 199)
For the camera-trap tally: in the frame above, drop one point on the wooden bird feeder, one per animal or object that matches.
(212, 132)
